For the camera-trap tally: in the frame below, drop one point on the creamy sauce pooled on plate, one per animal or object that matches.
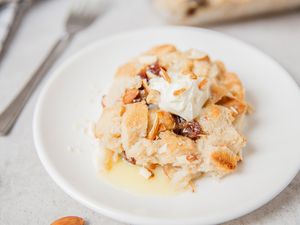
(127, 176)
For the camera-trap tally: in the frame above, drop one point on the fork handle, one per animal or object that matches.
(9, 116)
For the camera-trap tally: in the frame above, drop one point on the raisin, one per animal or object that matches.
(190, 129)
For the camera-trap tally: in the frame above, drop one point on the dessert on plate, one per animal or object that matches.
(177, 110)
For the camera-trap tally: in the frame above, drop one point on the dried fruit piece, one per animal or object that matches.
(190, 129)
(130, 95)
(69, 220)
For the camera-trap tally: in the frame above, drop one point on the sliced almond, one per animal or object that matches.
(130, 95)
(69, 220)
(153, 97)
(165, 75)
(154, 129)
(145, 85)
(116, 135)
(179, 91)
(202, 84)
(166, 121)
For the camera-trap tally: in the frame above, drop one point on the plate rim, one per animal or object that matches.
(119, 214)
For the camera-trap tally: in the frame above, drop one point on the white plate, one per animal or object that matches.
(272, 156)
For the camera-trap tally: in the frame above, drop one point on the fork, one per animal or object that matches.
(82, 14)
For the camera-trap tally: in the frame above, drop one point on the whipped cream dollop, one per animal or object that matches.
(182, 96)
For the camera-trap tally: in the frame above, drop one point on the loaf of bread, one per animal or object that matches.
(197, 12)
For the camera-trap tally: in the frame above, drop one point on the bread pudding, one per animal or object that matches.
(177, 110)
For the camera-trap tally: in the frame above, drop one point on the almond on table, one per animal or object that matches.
(69, 220)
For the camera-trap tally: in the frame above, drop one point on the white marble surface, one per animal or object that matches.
(27, 194)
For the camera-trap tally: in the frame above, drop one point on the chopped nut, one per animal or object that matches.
(116, 135)
(130, 95)
(179, 91)
(165, 76)
(153, 97)
(154, 129)
(145, 85)
(202, 84)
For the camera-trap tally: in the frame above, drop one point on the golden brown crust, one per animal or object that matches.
(134, 123)
(233, 84)
(224, 160)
